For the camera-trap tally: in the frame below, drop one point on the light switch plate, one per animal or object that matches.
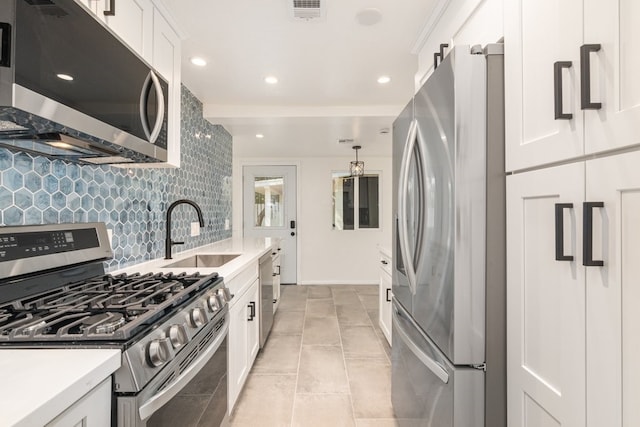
(195, 229)
(226, 224)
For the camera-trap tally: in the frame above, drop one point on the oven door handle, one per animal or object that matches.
(160, 399)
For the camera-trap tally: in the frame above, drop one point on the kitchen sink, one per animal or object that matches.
(203, 261)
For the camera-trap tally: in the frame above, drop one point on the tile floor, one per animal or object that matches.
(326, 363)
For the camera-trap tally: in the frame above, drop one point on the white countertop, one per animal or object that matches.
(39, 384)
(251, 249)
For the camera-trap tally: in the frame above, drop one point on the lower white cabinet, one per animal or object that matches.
(573, 294)
(384, 296)
(244, 338)
(92, 410)
(276, 279)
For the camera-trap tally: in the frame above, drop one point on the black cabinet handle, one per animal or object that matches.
(252, 311)
(388, 298)
(585, 77)
(275, 300)
(440, 55)
(560, 256)
(587, 233)
(278, 273)
(5, 55)
(112, 9)
(557, 90)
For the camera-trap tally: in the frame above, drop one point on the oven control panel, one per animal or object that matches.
(32, 244)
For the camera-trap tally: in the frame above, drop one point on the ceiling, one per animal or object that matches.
(327, 71)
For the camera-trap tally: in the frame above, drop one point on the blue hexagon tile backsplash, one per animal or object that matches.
(132, 202)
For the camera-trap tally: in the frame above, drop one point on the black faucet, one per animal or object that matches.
(168, 243)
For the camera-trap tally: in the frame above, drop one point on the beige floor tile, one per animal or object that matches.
(319, 291)
(280, 355)
(387, 422)
(322, 370)
(345, 296)
(367, 290)
(370, 302)
(323, 410)
(360, 342)
(295, 302)
(288, 322)
(321, 331)
(370, 384)
(320, 308)
(352, 314)
(266, 400)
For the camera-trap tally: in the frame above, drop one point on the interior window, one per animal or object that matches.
(355, 201)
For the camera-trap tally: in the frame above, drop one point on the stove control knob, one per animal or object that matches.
(178, 336)
(213, 302)
(225, 294)
(158, 352)
(197, 317)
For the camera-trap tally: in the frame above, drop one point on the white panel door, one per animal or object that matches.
(613, 293)
(539, 33)
(132, 21)
(615, 71)
(545, 300)
(270, 210)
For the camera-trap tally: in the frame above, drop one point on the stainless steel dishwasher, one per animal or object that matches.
(266, 296)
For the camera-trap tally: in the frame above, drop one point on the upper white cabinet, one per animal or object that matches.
(570, 79)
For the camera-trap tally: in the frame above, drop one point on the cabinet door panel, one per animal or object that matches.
(132, 22)
(537, 34)
(545, 300)
(384, 305)
(615, 72)
(613, 294)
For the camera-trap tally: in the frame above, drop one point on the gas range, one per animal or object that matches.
(55, 293)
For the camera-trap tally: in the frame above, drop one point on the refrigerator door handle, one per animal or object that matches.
(405, 250)
(433, 366)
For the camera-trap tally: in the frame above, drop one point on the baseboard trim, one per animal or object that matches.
(337, 282)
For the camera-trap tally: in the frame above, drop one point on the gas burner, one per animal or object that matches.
(103, 323)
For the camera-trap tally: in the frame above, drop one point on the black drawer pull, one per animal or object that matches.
(5, 52)
(585, 77)
(388, 297)
(587, 234)
(252, 311)
(557, 90)
(560, 256)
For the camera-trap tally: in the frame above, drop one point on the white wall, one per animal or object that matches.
(327, 256)
(461, 22)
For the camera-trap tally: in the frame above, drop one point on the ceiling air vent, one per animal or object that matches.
(308, 10)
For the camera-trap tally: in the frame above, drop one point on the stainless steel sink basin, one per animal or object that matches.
(203, 261)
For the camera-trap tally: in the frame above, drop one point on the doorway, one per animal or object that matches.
(270, 210)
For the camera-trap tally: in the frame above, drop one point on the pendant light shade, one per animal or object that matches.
(356, 168)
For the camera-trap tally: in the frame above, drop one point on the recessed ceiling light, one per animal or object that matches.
(384, 79)
(66, 77)
(271, 80)
(368, 17)
(259, 135)
(200, 62)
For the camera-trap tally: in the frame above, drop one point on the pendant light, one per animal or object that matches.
(356, 168)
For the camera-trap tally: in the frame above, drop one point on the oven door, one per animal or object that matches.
(190, 391)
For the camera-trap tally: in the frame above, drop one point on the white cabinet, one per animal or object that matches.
(244, 337)
(573, 337)
(276, 278)
(384, 295)
(541, 35)
(132, 21)
(93, 409)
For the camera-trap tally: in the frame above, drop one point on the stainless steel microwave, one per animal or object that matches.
(70, 89)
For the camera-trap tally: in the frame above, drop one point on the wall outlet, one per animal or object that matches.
(110, 236)
(195, 229)
(227, 224)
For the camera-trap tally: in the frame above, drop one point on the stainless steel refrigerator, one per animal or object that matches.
(448, 353)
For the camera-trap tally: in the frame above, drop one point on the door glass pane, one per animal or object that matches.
(343, 202)
(368, 202)
(269, 201)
